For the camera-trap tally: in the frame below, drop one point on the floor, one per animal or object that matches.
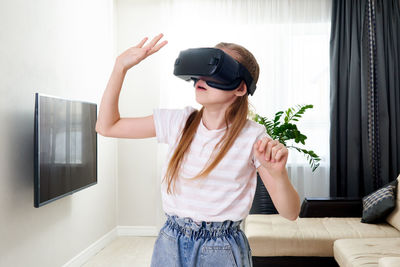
(124, 251)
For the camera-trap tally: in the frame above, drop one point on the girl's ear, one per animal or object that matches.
(242, 89)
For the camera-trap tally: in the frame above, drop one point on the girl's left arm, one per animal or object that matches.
(273, 157)
(283, 195)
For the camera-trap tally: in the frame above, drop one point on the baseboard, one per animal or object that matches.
(93, 249)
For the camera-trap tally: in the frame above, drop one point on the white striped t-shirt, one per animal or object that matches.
(227, 192)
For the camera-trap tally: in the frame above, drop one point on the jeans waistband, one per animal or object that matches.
(189, 227)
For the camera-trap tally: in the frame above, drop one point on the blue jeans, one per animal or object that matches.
(182, 242)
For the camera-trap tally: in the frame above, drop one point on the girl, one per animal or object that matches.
(214, 155)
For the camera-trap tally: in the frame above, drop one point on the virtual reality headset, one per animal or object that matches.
(215, 67)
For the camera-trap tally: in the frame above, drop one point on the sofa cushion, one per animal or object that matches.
(274, 235)
(364, 251)
(389, 262)
(394, 217)
(378, 204)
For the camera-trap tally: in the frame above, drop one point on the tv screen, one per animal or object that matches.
(65, 147)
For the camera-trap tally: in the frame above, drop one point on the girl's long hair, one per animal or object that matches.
(236, 114)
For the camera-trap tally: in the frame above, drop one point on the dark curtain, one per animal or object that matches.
(365, 96)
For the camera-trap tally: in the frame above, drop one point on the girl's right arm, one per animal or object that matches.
(109, 123)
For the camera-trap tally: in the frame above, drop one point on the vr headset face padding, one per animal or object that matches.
(215, 67)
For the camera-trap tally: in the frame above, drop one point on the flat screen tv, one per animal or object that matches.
(65, 147)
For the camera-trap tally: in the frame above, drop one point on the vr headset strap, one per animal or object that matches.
(248, 79)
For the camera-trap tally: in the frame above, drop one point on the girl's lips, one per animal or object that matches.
(199, 85)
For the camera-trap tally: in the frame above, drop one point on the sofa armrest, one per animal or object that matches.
(331, 207)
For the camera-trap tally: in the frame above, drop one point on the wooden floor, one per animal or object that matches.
(124, 251)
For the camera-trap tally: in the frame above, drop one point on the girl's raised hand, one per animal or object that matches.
(271, 154)
(137, 53)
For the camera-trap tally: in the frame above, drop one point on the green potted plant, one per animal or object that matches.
(282, 129)
(285, 130)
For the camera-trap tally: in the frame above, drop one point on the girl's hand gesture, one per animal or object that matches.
(271, 154)
(135, 54)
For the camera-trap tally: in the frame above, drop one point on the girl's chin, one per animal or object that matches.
(202, 101)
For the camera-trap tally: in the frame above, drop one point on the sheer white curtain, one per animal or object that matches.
(290, 40)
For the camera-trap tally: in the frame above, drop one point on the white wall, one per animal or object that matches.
(65, 49)
(139, 195)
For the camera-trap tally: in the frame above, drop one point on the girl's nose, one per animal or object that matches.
(195, 81)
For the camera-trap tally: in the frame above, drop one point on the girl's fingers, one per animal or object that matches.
(271, 149)
(142, 42)
(258, 146)
(275, 150)
(263, 144)
(278, 155)
(158, 47)
(260, 142)
(154, 41)
(268, 152)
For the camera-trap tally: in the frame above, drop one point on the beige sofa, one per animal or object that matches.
(382, 252)
(343, 241)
